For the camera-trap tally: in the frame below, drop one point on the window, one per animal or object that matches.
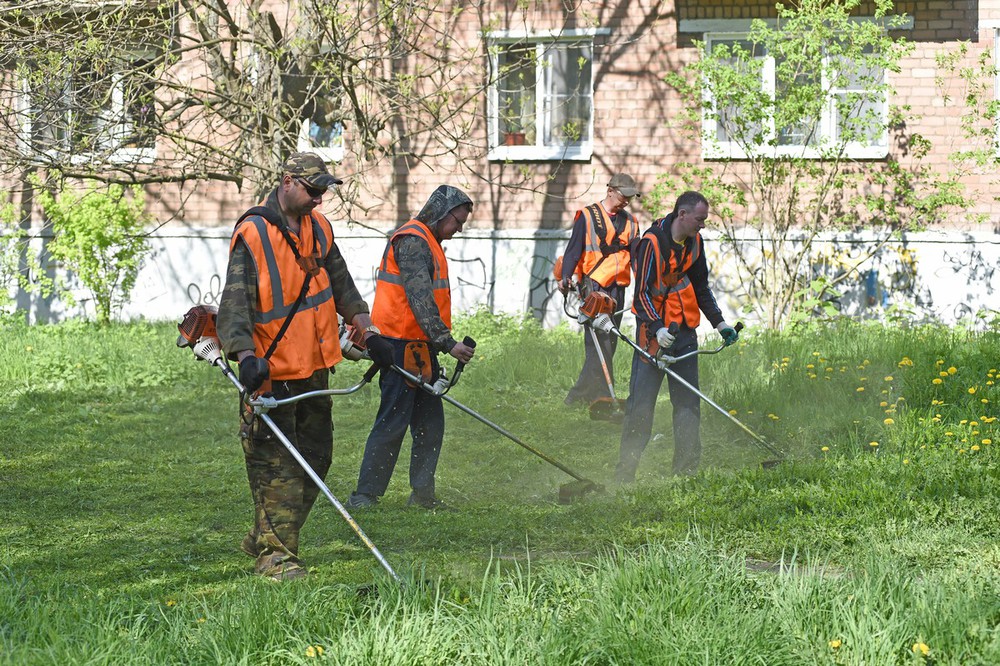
(89, 110)
(852, 112)
(541, 102)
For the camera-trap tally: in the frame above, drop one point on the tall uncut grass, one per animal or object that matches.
(877, 542)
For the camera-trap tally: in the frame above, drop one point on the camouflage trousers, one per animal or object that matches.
(283, 493)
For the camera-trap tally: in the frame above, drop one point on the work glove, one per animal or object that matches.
(602, 323)
(253, 371)
(664, 338)
(380, 351)
(728, 333)
(441, 385)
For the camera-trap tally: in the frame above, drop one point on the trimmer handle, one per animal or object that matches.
(738, 327)
(468, 342)
(673, 328)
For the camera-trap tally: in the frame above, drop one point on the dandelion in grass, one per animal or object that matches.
(906, 461)
(874, 445)
(987, 442)
(733, 412)
(949, 434)
(906, 362)
(888, 378)
(952, 370)
(171, 603)
(860, 389)
(774, 417)
(29, 348)
(973, 423)
(989, 383)
(972, 390)
(883, 404)
(937, 380)
(921, 649)
(943, 373)
(985, 401)
(888, 421)
(314, 651)
(835, 644)
(201, 620)
(974, 447)
(810, 366)
(825, 449)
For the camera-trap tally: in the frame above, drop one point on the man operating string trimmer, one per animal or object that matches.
(285, 284)
(671, 286)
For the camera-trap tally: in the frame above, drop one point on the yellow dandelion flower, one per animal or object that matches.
(888, 378)
(28, 348)
(860, 389)
(939, 362)
(829, 369)
(866, 362)
(906, 461)
(785, 359)
(921, 648)
(171, 603)
(961, 451)
(943, 374)
(973, 423)
(733, 412)
(773, 417)
(827, 377)
(815, 353)
(862, 379)
(873, 444)
(812, 376)
(835, 643)
(937, 380)
(985, 401)
(972, 390)
(810, 366)
(936, 419)
(974, 447)
(962, 422)
(975, 432)
(949, 434)
(310, 651)
(825, 449)
(989, 383)
(952, 370)
(993, 369)
(201, 620)
(883, 404)
(987, 442)
(888, 421)
(900, 399)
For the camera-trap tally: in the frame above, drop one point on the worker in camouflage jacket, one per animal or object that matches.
(285, 285)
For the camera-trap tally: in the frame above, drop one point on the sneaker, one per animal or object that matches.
(249, 544)
(361, 501)
(428, 502)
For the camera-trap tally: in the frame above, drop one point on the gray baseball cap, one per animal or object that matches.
(311, 168)
(624, 184)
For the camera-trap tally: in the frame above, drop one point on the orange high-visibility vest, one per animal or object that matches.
(312, 341)
(614, 247)
(391, 311)
(672, 293)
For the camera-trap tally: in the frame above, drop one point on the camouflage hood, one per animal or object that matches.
(444, 199)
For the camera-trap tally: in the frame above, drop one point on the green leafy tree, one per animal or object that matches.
(792, 104)
(98, 234)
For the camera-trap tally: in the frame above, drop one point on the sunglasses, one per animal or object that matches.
(310, 190)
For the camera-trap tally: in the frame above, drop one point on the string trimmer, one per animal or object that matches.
(602, 321)
(197, 331)
(567, 491)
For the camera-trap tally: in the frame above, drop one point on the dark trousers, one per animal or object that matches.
(592, 384)
(644, 386)
(283, 493)
(403, 407)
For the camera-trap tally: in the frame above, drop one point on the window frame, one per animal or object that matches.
(118, 113)
(580, 151)
(330, 154)
(713, 149)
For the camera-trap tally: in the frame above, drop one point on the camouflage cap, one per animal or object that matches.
(624, 184)
(311, 168)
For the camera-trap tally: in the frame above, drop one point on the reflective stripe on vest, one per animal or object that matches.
(311, 341)
(673, 294)
(391, 311)
(615, 269)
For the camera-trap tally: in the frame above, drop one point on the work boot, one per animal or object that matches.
(361, 501)
(285, 571)
(249, 544)
(429, 502)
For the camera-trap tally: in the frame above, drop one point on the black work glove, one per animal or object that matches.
(380, 351)
(253, 372)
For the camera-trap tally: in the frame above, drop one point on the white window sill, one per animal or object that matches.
(723, 152)
(541, 153)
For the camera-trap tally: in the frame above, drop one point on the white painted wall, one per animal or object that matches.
(950, 275)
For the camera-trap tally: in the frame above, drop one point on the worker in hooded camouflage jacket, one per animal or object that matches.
(280, 257)
(413, 310)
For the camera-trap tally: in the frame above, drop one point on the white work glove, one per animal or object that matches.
(664, 338)
(602, 323)
(729, 334)
(441, 385)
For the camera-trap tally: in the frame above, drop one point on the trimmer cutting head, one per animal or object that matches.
(568, 492)
(198, 323)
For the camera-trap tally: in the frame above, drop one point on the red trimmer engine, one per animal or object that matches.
(198, 322)
(597, 303)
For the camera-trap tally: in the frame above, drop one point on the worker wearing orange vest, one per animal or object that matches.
(413, 310)
(598, 254)
(671, 287)
(285, 285)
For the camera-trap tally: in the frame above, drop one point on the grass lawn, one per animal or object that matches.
(123, 497)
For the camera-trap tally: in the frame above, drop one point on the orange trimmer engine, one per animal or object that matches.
(597, 303)
(198, 323)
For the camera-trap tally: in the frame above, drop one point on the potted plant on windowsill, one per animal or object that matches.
(513, 138)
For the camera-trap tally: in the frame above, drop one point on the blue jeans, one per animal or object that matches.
(644, 386)
(403, 407)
